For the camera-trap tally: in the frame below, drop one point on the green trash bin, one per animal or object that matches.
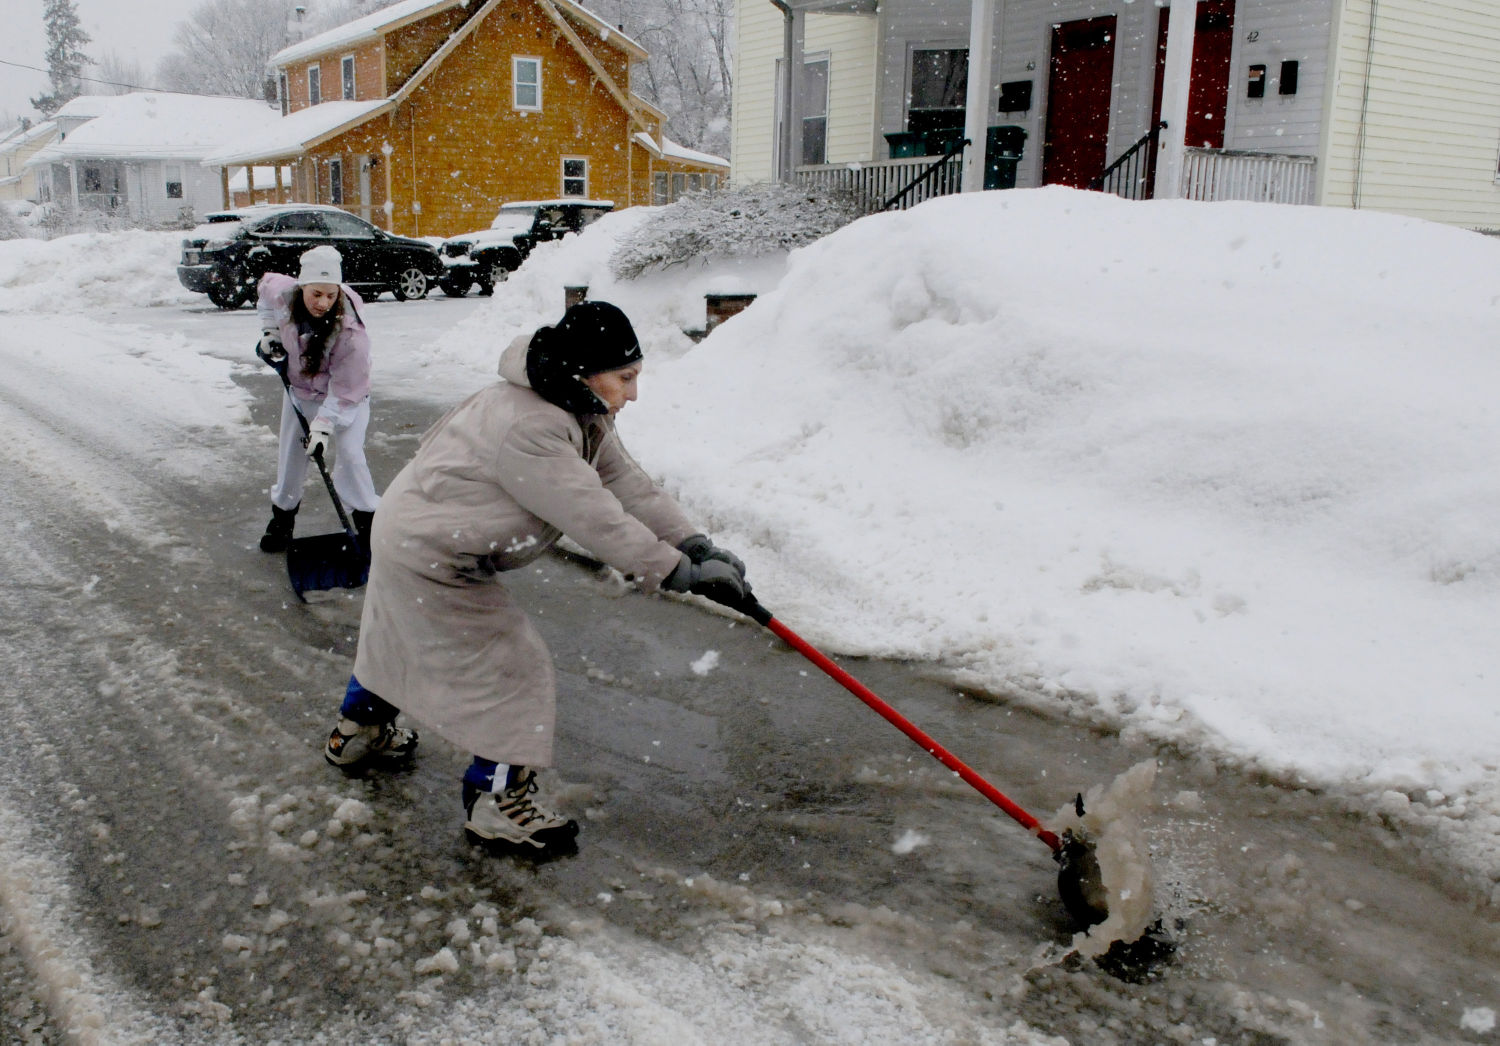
(904, 144)
(1002, 152)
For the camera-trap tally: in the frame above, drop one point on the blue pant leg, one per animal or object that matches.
(365, 706)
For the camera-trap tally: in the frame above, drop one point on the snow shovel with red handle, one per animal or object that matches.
(1078, 877)
(322, 561)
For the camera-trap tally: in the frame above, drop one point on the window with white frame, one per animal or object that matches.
(814, 97)
(526, 81)
(172, 175)
(314, 85)
(346, 68)
(336, 181)
(575, 176)
(282, 93)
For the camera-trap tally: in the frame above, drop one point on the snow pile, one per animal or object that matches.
(92, 270)
(1221, 475)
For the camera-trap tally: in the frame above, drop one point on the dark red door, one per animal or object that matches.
(1208, 87)
(1078, 101)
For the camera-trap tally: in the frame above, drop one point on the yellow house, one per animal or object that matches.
(426, 116)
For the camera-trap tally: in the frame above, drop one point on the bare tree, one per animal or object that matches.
(689, 71)
(223, 48)
(118, 75)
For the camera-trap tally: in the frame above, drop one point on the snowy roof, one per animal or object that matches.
(672, 150)
(23, 136)
(292, 135)
(159, 125)
(383, 21)
(366, 28)
(84, 107)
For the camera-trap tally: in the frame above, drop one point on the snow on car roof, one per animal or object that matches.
(569, 201)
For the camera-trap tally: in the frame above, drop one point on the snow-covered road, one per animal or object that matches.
(762, 860)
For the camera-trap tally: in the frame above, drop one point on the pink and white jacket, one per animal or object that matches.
(343, 382)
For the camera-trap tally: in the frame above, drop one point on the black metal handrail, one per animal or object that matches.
(1130, 176)
(930, 171)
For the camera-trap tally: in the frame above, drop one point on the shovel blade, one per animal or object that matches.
(1079, 880)
(326, 561)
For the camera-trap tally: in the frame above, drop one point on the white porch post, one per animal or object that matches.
(795, 72)
(984, 39)
(1177, 74)
(73, 184)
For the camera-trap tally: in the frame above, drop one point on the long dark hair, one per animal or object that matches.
(319, 331)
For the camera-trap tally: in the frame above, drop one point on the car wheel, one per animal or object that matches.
(454, 289)
(412, 283)
(498, 273)
(230, 294)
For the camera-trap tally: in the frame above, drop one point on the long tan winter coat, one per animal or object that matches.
(493, 485)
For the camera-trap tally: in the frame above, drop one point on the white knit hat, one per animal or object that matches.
(321, 265)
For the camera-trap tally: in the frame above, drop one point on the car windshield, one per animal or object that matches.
(217, 229)
(513, 221)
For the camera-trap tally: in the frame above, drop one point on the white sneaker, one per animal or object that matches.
(351, 743)
(512, 818)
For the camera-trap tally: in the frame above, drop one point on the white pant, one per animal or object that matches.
(351, 474)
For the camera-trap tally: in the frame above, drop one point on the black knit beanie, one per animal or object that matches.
(592, 337)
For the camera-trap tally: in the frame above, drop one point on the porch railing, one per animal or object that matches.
(876, 181)
(1131, 175)
(1233, 174)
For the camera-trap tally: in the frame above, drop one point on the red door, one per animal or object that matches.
(1208, 85)
(1079, 91)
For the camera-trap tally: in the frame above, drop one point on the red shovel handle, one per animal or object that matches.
(900, 722)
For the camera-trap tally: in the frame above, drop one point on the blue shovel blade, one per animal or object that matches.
(326, 561)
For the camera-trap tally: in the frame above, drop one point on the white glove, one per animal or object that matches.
(319, 438)
(270, 347)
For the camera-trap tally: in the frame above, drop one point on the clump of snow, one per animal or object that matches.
(705, 664)
(1479, 1019)
(908, 841)
(1112, 824)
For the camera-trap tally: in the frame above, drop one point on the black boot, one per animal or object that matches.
(278, 533)
(363, 521)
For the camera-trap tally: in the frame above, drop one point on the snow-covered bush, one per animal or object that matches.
(10, 225)
(749, 222)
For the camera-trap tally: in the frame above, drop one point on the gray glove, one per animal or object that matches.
(270, 348)
(699, 549)
(712, 579)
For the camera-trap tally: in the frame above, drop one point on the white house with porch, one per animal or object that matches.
(139, 156)
(1385, 104)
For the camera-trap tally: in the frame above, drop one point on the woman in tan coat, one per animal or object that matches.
(493, 485)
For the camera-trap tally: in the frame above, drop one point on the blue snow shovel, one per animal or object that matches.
(323, 561)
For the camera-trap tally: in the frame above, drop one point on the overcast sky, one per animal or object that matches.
(134, 30)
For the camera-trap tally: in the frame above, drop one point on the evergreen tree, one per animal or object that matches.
(65, 57)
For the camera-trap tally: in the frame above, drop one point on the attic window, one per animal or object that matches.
(526, 78)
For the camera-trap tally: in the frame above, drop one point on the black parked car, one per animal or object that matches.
(487, 257)
(227, 255)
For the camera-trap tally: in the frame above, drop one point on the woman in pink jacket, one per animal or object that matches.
(493, 485)
(314, 323)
